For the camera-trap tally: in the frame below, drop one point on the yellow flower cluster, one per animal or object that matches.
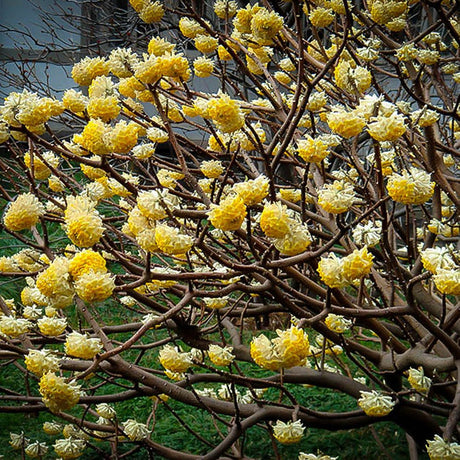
(54, 283)
(135, 431)
(212, 169)
(190, 28)
(220, 356)
(92, 138)
(411, 187)
(168, 178)
(265, 25)
(42, 361)
(225, 113)
(69, 448)
(337, 323)
(295, 241)
(81, 346)
(86, 261)
(122, 137)
(346, 124)
(52, 326)
(418, 380)
(40, 167)
(203, 67)
(151, 12)
(275, 221)
(437, 258)
(206, 44)
(23, 213)
(289, 349)
(338, 273)
(57, 394)
(252, 191)
(375, 404)
(387, 128)
(88, 68)
(14, 327)
(94, 286)
(174, 360)
(447, 281)
(312, 150)
(170, 241)
(337, 197)
(74, 101)
(225, 9)
(83, 224)
(229, 214)
(106, 108)
(289, 432)
(439, 449)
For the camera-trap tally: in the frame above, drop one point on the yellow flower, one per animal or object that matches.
(52, 428)
(173, 65)
(428, 57)
(312, 150)
(447, 281)
(23, 213)
(212, 169)
(410, 187)
(86, 261)
(135, 431)
(153, 204)
(288, 433)
(105, 108)
(152, 12)
(383, 11)
(425, 117)
(54, 283)
(14, 327)
(225, 113)
(225, 9)
(438, 449)
(375, 404)
(57, 394)
(159, 46)
(223, 54)
(337, 323)
(122, 137)
(346, 124)
(83, 224)
(206, 44)
(36, 449)
(174, 360)
(229, 214)
(317, 101)
(88, 68)
(92, 138)
(220, 356)
(357, 264)
(289, 349)
(69, 448)
(265, 25)
(216, 302)
(190, 28)
(336, 197)
(81, 346)
(52, 326)
(42, 361)
(437, 258)
(252, 191)
(94, 286)
(330, 270)
(295, 241)
(203, 67)
(320, 17)
(169, 178)
(274, 220)
(105, 410)
(74, 101)
(418, 380)
(171, 241)
(387, 128)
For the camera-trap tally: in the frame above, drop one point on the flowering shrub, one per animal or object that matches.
(313, 186)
